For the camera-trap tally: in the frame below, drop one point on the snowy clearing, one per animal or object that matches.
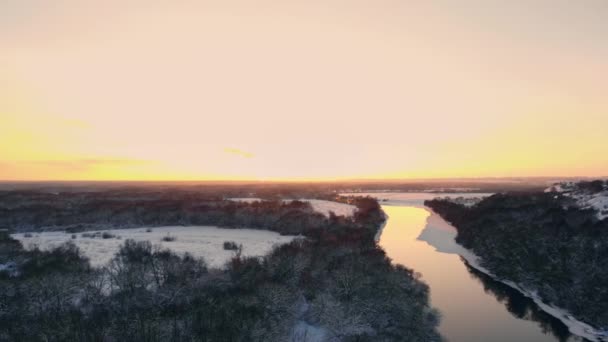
(324, 207)
(320, 206)
(206, 242)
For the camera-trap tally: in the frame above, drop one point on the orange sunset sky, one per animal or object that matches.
(315, 89)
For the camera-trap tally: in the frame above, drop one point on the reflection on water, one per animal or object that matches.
(521, 306)
(472, 306)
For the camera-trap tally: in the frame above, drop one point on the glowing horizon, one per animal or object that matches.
(299, 91)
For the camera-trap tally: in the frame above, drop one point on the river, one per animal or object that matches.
(473, 306)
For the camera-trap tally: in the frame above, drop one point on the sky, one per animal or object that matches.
(302, 90)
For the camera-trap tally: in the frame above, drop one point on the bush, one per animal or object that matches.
(168, 238)
(592, 187)
(73, 236)
(107, 235)
(149, 230)
(230, 245)
(67, 257)
(27, 235)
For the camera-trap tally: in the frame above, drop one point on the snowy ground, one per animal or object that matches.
(597, 201)
(205, 242)
(304, 332)
(320, 206)
(324, 207)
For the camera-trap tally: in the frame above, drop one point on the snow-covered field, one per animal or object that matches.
(320, 206)
(324, 207)
(205, 242)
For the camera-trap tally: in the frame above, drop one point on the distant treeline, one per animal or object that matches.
(543, 242)
(74, 212)
(337, 280)
(277, 190)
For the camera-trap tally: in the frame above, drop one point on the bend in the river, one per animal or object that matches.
(473, 306)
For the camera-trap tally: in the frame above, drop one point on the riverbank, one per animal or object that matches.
(469, 311)
(576, 327)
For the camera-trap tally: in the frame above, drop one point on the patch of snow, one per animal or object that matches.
(206, 242)
(245, 199)
(585, 200)
(320, 206)
(9, 267)
(381, 229)
(324, 207)
(304, 332)
(466, 201)
(598, 202)
(563, 187)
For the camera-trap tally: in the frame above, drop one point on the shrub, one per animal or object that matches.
(27, 235)
(149, 230)
(66, 257)
(107, 235)
(593, 186)
(73, 236)
(168, 238)
(135, 251)
(230, 245)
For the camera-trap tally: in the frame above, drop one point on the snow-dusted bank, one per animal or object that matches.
(321, 206)
(416, 199)
(381, 229)
(441, 235)
(200, 241)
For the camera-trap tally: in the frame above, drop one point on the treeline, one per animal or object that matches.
(542, 241)
(281, 190)
(22, 211)
(338, 280)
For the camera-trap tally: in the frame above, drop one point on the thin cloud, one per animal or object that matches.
(237, 152)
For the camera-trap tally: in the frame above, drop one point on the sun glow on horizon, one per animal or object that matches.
(300, 91)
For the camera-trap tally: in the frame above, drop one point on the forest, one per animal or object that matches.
(543, 241)
(336, 279)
